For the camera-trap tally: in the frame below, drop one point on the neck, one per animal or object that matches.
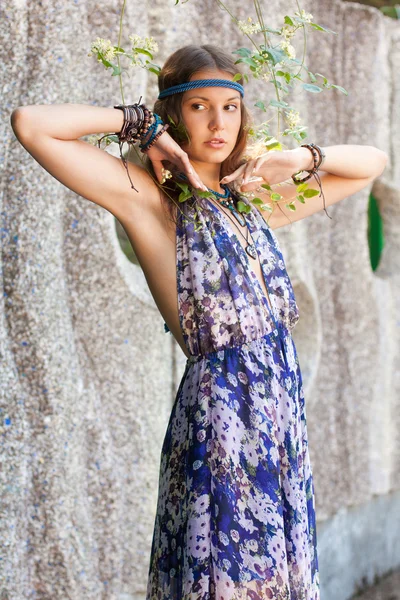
(209, 174)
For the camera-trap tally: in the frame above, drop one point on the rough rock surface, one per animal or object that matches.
(88, 376)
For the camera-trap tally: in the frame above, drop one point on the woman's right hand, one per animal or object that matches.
(165, 148)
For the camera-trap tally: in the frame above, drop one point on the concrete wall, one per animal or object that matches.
(88, 375)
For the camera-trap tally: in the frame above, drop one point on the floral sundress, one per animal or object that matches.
(235, 516)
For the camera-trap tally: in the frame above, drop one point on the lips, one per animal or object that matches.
(216, 143)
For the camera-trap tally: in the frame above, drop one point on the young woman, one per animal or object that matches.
(236, 514)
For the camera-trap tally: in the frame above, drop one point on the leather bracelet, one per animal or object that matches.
(318, 157)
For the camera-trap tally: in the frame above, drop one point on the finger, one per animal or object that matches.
(233, 175)
(252, 185)
(158, 166)
(248, 171)
(191, 173)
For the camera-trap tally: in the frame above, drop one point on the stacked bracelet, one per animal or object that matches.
(319, 157)
(152, 130)
(138, 123)
(155, 138)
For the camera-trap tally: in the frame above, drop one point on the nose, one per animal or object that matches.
(217, 122)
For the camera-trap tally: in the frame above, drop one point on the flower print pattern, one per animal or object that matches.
(235, 516)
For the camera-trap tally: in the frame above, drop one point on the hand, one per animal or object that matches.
(271, 168)
(165, 148)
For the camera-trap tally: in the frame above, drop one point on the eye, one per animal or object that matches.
(196, 104)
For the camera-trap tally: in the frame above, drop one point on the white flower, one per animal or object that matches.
(288, 48)
(249, 27)
(306, 16)
(103, 47)
(146, 43)
(165, 175)
(288, 31)
(292, 118)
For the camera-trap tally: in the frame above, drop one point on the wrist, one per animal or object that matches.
(304, 159)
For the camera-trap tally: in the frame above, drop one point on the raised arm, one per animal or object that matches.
(50, 134)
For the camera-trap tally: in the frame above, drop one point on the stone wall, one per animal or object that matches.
(88, 376)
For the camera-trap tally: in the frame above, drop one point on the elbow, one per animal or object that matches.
(19, 121)
(381, 161)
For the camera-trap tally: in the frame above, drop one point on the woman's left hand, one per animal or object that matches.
(271, 168)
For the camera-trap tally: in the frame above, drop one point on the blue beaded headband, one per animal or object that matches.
(190, 85)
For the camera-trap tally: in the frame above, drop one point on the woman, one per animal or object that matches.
(236, 514)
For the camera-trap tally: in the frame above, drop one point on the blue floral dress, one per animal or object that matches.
(235, 517)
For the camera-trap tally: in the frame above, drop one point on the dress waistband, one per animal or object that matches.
(281, 331)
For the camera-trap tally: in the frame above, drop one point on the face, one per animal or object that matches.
(211, 112)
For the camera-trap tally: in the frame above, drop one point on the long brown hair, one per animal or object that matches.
(179, 68)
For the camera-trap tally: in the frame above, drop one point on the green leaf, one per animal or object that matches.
(143, 51)
(156, 71)
(275, 55)
(204, 194)
(275, 196)
(116, 71)
(242, 52)
(105, 62)
(266, 186)
(247, 60)
(309, 87)
(288, 21)
(301, 199)
(257, 201)
(290, 206)
(113, 138)
(270, 30)
(312, 77)
(323, 77)
(279, 103)
(261, 105)
(310, 193)
(320, 28)
(273, 145)
(237, 76)
(301, 187)
(340, 88)
(183, 196)
(183, 186)
(242, 207)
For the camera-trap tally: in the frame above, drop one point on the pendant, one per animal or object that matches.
(251, 250)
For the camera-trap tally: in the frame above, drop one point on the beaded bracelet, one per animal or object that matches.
(163, 128)
(152, 129)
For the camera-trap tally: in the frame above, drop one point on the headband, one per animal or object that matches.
(190, 85)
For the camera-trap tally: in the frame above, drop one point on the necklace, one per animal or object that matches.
(250, 248)
(227, 201)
